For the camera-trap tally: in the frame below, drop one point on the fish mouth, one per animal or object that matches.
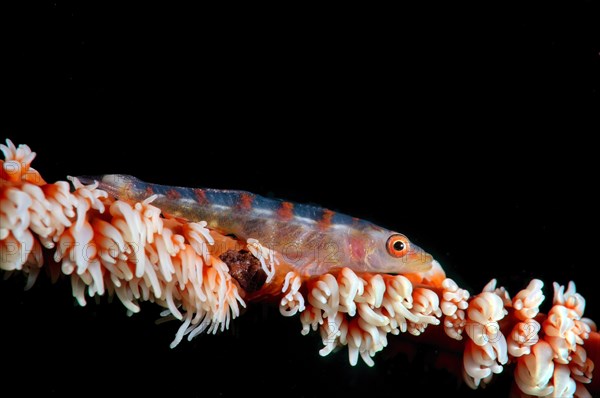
(417, 260)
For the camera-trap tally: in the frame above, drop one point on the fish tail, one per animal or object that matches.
(120, 186)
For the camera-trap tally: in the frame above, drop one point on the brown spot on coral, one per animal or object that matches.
(245, 269)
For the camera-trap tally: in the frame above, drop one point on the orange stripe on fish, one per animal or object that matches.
(200, 196)
(173, 194)
(325, 221)
(246, 200)
(286, 211)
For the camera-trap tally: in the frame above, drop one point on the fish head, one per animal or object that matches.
(393, 253)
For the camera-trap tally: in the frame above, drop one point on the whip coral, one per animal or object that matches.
(136, 252)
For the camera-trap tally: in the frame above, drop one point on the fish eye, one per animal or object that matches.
(397, 245)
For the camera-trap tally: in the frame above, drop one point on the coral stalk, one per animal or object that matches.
(131, 250)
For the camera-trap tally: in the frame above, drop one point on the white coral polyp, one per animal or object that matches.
(16, 166)
(487, 349)
(453, 306)
(534, 371)
(265, 255)
(480, 362)
(427, 310)
(359, 311)
(559, 351)
(454, 325)
(527, 302)
(581, 366)
(112, 245)
(569, 298)
(292, 301)
(522, 337)
(325, 295)
(498, 291)
(564, 385)
(486, 307)
(350, 286)
(525, 333)
(397, 303)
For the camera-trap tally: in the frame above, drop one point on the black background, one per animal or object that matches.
(466, 128)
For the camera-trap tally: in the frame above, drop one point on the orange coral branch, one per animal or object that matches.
(131, 250)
